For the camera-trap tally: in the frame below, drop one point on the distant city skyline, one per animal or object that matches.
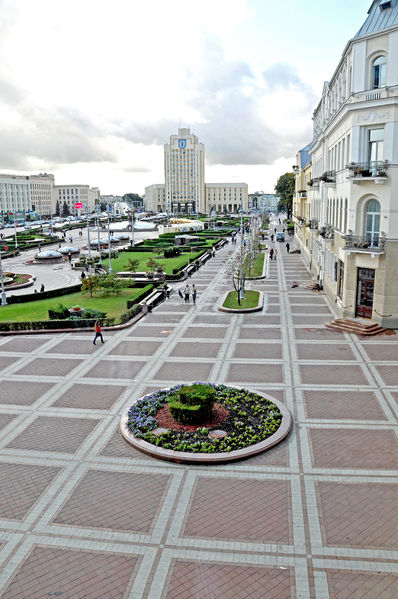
(90, 91)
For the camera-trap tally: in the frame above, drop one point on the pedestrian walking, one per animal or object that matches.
(275, 254)
(193, 293)
(271, 253)
(180, 294)
(272, 237)
(274, 229)
(42, 288)
(287, 247)
(186, 293)
(83, 275)
(69, 257)
(71, 239)
(98, 333)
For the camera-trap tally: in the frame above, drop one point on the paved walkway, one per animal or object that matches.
(82, 514)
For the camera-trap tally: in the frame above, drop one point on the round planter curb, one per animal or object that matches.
(185, 457)
(258, 308)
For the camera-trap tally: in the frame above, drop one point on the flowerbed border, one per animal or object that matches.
(259, 306)
(185, 457)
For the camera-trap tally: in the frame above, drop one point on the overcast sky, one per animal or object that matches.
(90, 90)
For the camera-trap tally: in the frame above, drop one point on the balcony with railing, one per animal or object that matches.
(314, 183)
(370, 243)
(368, 171)
(327, 232)
(313, 223)
(329, 177)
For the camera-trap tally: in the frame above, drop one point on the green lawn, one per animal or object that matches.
(120, 264)
(113, 305)
(258, 265)
(250, 301)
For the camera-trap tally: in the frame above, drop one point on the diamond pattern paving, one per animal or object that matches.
(348, 585)
(359, 515)
(201, 580)
(54, 434)
(72, 490)
(21, 486)
(350, 405)
(53, 572)
(236, 509)
(124, 506)
(345, 448)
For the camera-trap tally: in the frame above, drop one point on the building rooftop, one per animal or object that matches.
(383, 14)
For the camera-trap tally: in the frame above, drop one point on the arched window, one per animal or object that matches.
(372, 222)
(379, 72)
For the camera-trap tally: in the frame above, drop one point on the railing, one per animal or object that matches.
(314, 183)
(368, 243)
(328, 177)
(368, 169)
(327, 232)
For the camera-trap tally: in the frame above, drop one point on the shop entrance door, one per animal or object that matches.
(365, 290)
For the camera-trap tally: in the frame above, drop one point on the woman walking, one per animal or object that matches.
(98, 333)
(193, 293)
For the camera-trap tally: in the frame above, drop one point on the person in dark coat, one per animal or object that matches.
(271, 253)
(287, 247)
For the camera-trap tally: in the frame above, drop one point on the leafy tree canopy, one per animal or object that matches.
(284, 188)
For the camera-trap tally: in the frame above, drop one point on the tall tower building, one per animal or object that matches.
(184, 167)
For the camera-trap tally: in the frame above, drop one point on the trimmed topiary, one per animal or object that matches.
(192, 404)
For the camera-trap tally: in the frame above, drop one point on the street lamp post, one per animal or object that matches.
(132, 227)
(3, 293)
(90, 270)
(98, 230)
(241, 292)
(109, 247)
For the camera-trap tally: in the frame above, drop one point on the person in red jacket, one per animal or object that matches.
(97, 329)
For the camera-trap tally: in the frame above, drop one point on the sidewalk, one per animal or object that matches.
(85, 515)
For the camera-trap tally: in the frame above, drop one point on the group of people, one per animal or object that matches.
(187, 292)
(273, 253)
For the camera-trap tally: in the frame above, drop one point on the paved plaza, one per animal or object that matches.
(84, 515)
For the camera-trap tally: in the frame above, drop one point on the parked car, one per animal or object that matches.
(280, 236)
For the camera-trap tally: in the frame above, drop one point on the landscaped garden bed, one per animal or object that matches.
(252, 302)
(218, 423)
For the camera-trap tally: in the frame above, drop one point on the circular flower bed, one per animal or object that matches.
(245, 419)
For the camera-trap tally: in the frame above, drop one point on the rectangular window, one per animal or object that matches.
(376, 143)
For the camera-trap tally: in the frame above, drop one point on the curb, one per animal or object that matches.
(184, 457)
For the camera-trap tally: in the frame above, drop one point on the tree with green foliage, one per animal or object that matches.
(90, 284)
(133, 264)
(57, 209)
(285, 190)
(110, 285)
(65, 209)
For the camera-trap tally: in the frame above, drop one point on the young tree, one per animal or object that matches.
(57, 209)
(110, 285)
(285, 189)
(239, 270)
(133, 264)
(90, 284)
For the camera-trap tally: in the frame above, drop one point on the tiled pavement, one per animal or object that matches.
(82, 514)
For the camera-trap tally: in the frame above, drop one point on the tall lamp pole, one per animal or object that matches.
(132, 226)
(98, 230)
(109, 247)
(3, 293)
(90, 270)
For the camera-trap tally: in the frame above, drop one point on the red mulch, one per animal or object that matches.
(166, 420)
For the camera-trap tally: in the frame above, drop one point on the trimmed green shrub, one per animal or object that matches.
(192, 404)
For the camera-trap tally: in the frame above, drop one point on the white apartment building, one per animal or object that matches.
(353, 219)
(226, 197)
(184, 168)
(14, 196)
(41, 194)
(155, 198)
(72, 194)
(185, 190)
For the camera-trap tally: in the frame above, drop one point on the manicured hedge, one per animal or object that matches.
(32, 297)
